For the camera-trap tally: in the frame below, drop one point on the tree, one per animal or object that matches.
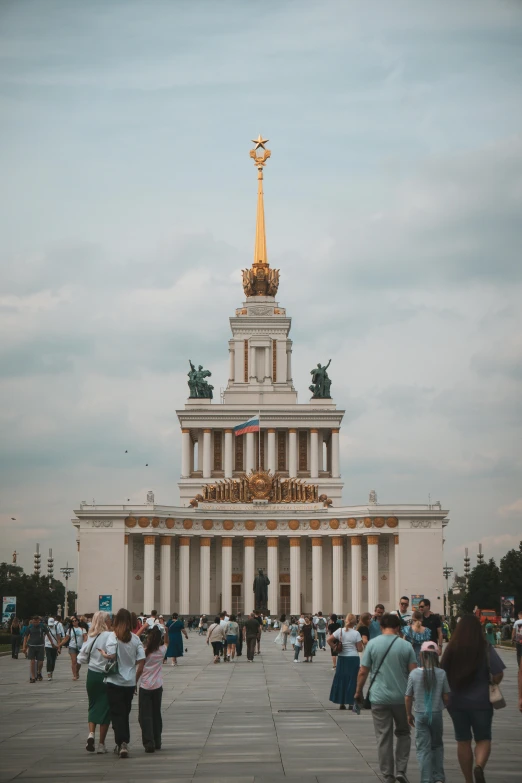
(511, 575)
(34, 594)
(483, 588)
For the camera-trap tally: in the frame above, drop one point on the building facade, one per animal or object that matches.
(269, 499)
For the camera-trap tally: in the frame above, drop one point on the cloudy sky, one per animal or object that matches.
(393, 202)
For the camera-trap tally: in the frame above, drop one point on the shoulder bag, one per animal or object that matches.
(367, 702)
(111, 667)
(337, 646)
(496, 698)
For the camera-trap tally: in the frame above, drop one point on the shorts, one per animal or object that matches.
(73, 651)
(472, 722)
(35, 653)
(231, 639)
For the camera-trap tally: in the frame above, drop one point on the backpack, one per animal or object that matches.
(321, 624)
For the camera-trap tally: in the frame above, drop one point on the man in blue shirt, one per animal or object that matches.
(375, 623)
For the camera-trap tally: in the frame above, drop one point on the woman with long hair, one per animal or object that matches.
(99, 711)
(151, 691)
(344, 682)
(231, 633)
(126, 649)
(470, 662)
(309, 636)
(76, 636)
(417, 634)
(333, 626)
(285, 630)
(427, 691)
(175, 648)
(364, 628)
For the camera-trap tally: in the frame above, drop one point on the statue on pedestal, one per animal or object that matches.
(321, 383)
(198, 386)
(260, 589)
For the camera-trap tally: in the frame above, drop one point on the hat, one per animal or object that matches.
(429, 647)
(51, 621)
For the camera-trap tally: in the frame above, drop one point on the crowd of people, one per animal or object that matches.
(390, 662)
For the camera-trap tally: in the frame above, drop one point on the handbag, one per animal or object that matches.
(496, 698)
(111, 667)
(367, 702)
(337, 647)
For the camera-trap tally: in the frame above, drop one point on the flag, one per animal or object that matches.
(252, 425)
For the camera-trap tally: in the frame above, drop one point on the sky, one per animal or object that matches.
(393, 199)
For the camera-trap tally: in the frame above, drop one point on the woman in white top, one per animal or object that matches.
(124, 647)
(99, 711)
(343, 686)
(76, 637)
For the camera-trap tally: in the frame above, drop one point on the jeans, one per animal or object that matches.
(50, 654)
(149, 716)
(297, 650)
(430, 747)
(120, 702)
(385, 717)
(321, 638)
(251, 647)
(15, 645)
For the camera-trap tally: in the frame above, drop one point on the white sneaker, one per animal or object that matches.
(101, 748)
(124, 751)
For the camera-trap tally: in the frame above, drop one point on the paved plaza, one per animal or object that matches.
(268, 721)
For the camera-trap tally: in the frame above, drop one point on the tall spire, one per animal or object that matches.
(260, 280)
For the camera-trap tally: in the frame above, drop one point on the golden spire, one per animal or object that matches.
(260, 280)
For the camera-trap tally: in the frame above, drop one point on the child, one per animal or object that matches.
(428, 686)
(299, 641)
(151, 690)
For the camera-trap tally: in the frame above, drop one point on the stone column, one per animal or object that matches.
(200, 451)
(185, 453)
(204, 575)
(314, 456)
(232, 367)
(229, 453)
(126, 571)
(295, 576)
(268, 374)
(184, 575)
(207, 456)
(317, 574)
(373, 571)
(320, 450)
(253, 368)
(271, 464)
(165, 550)
(148, 573)
(397, 591)
(337, 575)
(356, 543)
(250, 453)
(249, 575)
(292, 453)
(272, 544)
(289, 361)
(335, 454)
(226, 574)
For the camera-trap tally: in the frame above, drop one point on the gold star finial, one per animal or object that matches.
(260, 142)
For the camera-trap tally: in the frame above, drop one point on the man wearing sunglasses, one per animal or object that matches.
(431, 621)
(403, 612)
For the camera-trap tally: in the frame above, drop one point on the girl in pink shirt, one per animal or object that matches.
(151, 690)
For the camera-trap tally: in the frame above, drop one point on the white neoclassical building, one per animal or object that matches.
(270, 499)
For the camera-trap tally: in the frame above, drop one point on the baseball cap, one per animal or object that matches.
(51, 621)
(429, 647)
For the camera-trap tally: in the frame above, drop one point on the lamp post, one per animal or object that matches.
(447, 571)
(67, 571)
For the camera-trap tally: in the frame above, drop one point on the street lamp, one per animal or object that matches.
(447, 571)
(67, 571)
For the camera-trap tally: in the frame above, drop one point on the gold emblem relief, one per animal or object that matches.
(356, 540)
(317, 541)
(250, 525)
(260, 485)
(169, 523)
(143, 522)
(293, 524)
(392, 521)
(334, 524)
(165, 540)
(373, 540)
(367, 522)
(352, 523)
(130, 522)
(378, 522)
(187, 524)
(228, 524)
(337, 540)
(155, 521)
(314, 524)
(208, 524)
(295, 541)
(274, 361)
(271, 524)
(284, 579)
(237, 578)
(148, 540)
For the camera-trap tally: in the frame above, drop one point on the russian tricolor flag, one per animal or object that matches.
(252, 425)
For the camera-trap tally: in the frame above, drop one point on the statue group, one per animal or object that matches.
(321, 383)
(198, 386)
(260, 588)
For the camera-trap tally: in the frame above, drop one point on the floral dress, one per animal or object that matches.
(417, 639)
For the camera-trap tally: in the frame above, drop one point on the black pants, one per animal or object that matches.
(239, 645)
(50, 654)
(120, 702)
(150, 716)
(251, 642)
(15, 645)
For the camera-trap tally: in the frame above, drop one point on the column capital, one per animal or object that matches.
(149, 540)
(185, 430)
(337, 540)
(207, 430)
(226, 541)
(317, 541)
(127, 538)
(295, 541)
(314, 430)
(165, 540)
(372, 540)
(272, 541)
(184, 540)
(395, 539)
(292, 430)
(229, 431)
(271, 429)
(335, 430)
(356, 540)
(204, 541)
(249, 541)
